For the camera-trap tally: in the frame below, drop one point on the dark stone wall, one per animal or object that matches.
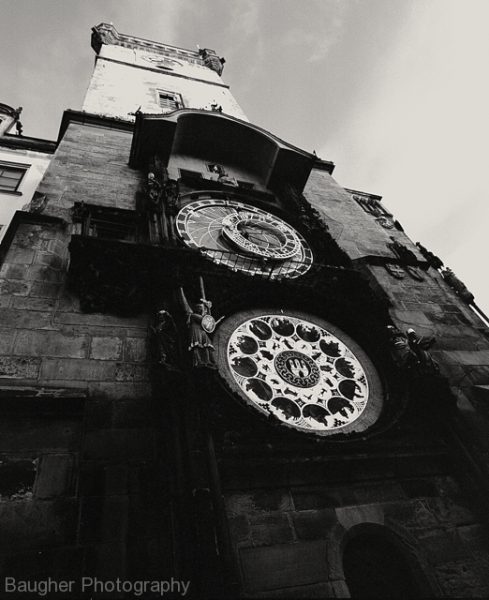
(47, 340)
(293, 537)
(83, 494)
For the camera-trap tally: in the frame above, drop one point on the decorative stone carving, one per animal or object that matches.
(401, 351)
(299, 370)
(211, 60)
(402, 251)
(448, 275)
(165, 332)
(161, 200)
(405, 256)
(201, 324)
(18, 125)
(227, 180)
(411, 352)
(414, 272)
(385, 222)
(425, 363)
(369, 205)
(171, 193)
(431, 258)
(395, 270)
(457, 285)
(37, 204)
(154, 191)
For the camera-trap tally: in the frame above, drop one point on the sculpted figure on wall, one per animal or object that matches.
(201, 324)
(165, 332)
(433, 260)
(411, 352)
(154, 190)
(402, 251)
(420, 345)
(457, 285)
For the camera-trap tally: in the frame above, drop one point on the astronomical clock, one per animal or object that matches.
(244, 238)
(292, 367)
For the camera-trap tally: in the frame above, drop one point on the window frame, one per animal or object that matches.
(177, 98)
(17, 167)
(189, 174)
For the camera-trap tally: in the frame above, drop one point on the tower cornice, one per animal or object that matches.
(106, 33)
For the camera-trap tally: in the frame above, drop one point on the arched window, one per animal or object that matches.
(375, 567)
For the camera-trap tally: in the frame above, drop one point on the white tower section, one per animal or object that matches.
(131, 73)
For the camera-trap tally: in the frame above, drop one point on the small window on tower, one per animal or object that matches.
(11, 174)
(188, 174)
(246, 185)
(169, 101)
(214, 168)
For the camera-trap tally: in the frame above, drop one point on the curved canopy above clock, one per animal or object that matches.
(220, 138)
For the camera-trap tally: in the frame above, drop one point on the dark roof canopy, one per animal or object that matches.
(220, 138)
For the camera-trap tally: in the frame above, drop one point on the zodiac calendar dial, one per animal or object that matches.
(244, 238)
(301, 370)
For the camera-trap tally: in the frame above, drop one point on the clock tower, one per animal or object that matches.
(271, 391)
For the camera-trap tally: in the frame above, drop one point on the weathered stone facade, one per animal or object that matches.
(118, 459)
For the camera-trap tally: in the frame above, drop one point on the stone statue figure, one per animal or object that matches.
(171, 191)
(154, 191)
(411, 352)
(431, 258)
(165, 332)
(401, 351)
(402, 251)
(201, 324)
(425, 363)
(457, 285)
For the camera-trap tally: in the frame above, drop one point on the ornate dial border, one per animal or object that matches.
(250, 264)
(373, 403)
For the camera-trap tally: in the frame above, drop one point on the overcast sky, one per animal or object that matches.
(394, 92)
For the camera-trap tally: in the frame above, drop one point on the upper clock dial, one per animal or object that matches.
(244, 238)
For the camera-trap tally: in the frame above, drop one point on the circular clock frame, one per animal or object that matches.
(302, 371)
(243, 237)
(163, 62)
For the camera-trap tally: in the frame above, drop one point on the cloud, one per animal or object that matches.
(311, 28)
(323, 43)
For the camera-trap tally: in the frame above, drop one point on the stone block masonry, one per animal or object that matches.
(46, 338)
(91, 166)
